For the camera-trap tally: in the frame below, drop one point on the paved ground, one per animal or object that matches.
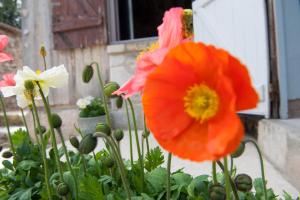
(248, 163)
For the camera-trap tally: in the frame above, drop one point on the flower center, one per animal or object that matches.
(153, 46)
(201, 102)
(187, 23)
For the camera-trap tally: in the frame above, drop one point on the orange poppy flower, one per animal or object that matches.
(190, 102)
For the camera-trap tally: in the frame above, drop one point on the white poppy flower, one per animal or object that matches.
(54, 77)
(82, 103)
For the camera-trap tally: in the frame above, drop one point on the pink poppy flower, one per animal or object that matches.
(170, 33)
(4, 56)
(8, 80)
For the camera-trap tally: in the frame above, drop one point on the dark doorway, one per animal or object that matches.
(146, 16)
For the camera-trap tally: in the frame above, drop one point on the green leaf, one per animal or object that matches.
(8, 165)
(27, 165)
(154, 158)
(69, 180)
(46, 137)
(156, 179)
(90, 188)
(287, 196)
(19, 138)
(182, 179)
(199, 186)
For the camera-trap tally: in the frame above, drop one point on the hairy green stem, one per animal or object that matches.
(43, 148)
(262, 168)
(130, 134)
(227, 179)
(7, 125)
(68, 161)
(53, 137)
(25, 123)
(233, 187)
(231, 165)
(169, 176)
(214, 172)
(84, 165)
(141, 160)
(119, 162)
(35, 128)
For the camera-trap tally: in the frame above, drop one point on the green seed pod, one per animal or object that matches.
(87, 144)
(29, 85)
(111, 87)
(62, 189)
(118, 134)
(119, 102)
(239, 151)
(109, 162)
(146, 133)
(7, 154)
(87, 73)
(103, 128)
(56, 120)
(43, 51)
(43, 129)
(243, 182)
(217, 192)
(74, 142)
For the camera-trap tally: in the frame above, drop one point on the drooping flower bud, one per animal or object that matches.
(43, 129)
(146, 133)
(119, 102)
(109, 88)
(62, 189)
(74, 142)
(187, 23)
(109, 162)
(118, 134)
(87, 144)
(56, 120)
(103, 128)
(217, 192)
(29, 85)
(7, 154)
(239, 151)
(87, 73)
(243, 182)
(43, 51)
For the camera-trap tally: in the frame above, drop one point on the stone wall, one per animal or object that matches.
(13, 48)
(122, 59)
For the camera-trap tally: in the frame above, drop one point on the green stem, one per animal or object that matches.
(84, 165)
(43, 148)
(147, 135)
(53, 138)
(7, 125)
(104, 99)
(97, 163)
(227, 179)
(25, 123)
(233, 187)
(119, 162)
(35, 128)
(130, 134)
(231, 165)
(68, 161)
(262, 168)
(141, 161)
(169, 176)
(214, 172)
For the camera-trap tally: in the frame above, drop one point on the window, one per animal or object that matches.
(133, 19)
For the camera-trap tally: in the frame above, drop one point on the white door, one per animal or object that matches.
(240, 27)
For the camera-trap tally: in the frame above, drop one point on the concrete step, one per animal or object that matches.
(14, 118)
(280, 142)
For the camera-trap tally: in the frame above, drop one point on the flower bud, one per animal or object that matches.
(29, 85)
(87, 144)
(62, 189)
(103, 128)
(7, 154)
(111, 87)
(1, 148)
(119, 102)
(109, 162)
(243, 182)
(87, 73)
(56, 120)
(74, 142)
(217, 192)
(239, 151)
(118, 134)
(43, 51)
(43, 129)
(146, 133)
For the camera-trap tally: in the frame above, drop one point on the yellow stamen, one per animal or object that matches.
(187, 23)
(38, 71)
(153, 46)
(201, 102)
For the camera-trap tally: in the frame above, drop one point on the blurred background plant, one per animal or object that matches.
(90, 107)
(10, 12)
